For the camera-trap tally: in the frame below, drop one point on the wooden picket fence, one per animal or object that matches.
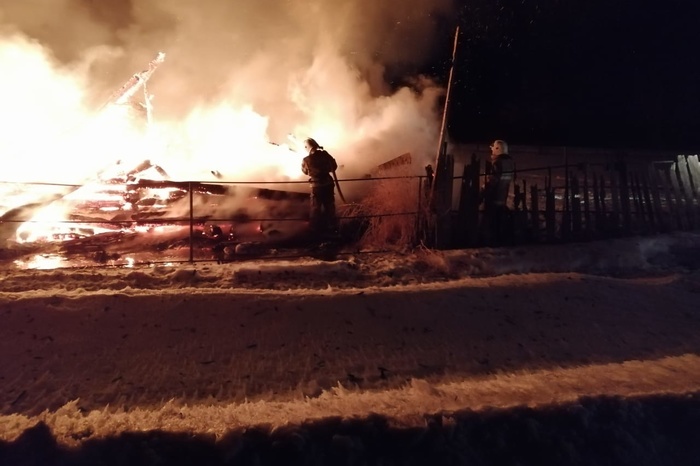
(578, 202)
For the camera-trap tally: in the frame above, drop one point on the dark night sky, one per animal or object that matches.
(593, 73)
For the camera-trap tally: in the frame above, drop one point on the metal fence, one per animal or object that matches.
(148, 221)
(151, 222)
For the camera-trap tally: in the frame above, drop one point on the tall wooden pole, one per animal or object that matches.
(441, 139)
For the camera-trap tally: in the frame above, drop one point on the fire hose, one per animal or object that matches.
(337, 185)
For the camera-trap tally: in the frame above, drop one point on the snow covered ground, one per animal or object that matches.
(579, 353)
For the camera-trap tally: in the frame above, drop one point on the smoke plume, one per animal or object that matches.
(238, 75)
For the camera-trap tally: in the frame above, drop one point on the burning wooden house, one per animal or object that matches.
(137, 209)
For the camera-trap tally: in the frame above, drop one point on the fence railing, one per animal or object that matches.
(583, 201)
(153, 221)
(167, 221)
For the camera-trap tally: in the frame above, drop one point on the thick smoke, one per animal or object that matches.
(305, 67)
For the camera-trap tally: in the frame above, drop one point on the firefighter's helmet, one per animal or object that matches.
(499, 147)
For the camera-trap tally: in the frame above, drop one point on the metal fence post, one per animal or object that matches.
(419, 209)
(189, 186)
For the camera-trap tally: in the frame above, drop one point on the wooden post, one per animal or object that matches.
(427, 220)
(682, 192)
(566, 215)
(694, 180)
(645, 196)
(607, 217)
(534, 213)
(468, 216)
(694, 170)
(652, 191)
(550, 216)
(689, 190)
(442, 200)
(519, 220)
(419, 211)
(615, 194)
(641, 219)
(441, 139)
(575, 207)
(442, 212)
(586, 200)
(624, 193)
(664, 176)
(599, 218)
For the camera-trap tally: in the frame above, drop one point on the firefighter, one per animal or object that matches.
(495, 192)
(319, 165)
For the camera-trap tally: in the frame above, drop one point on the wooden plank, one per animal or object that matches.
(640, 222)
(682, 203)
(426, 219)
(654, 226)
(694, 173)
(609, 215)
(598, 206)
(613, 222)
(664, 173)
(693, 178)
(586, 201)
(518, 227)
(624, 194)
(468, 211)
(652, 182)
(442, 138)
(576, 220)
(566, 214)
(443, 187)
(519, 197)
(534, 213)
(550, 215)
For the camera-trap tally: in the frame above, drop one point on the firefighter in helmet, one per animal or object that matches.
(319, 165)
(496, 190)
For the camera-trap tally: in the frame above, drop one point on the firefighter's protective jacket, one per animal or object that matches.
(498, 182)
(319, 166)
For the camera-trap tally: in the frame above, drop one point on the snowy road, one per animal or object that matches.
(204, 348)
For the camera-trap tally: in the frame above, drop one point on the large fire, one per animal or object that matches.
(76, 166)
(130, 193)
